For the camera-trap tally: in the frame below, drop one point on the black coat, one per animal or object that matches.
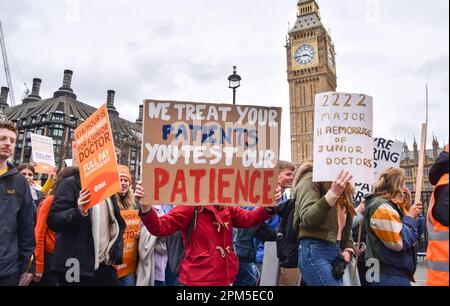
(74, 238)
(16, 223)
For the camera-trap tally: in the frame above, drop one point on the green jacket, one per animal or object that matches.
(314, 216)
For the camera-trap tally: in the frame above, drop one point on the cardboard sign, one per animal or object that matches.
(42, 154)
(386, 153)
(130, 243)
(96, 157)
(343, 126)
(206, 154)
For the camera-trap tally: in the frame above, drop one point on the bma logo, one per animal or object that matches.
(73, 273)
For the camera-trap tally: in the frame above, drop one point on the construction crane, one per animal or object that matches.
(5, 63)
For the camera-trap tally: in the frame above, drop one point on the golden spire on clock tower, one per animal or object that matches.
(311, 69)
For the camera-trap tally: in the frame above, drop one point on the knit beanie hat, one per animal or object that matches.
(124, 171)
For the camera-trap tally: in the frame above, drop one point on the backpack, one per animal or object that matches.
(243, 244)
(175, 247)
(287, 235)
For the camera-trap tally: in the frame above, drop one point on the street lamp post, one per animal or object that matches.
(234, 82)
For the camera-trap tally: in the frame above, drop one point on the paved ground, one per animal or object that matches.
(420, 275)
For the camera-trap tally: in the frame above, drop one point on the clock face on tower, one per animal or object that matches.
(304, 54)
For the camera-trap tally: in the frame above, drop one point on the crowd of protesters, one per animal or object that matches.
(49, 237)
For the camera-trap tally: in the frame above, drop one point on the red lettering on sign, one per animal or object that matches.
(179, 180)
(266, 187)
(255, 175)
(224, 184)
(241, 187)
(212, 189)
(161, 179)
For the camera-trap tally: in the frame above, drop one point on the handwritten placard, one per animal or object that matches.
(205, 154)
(343, 129)
(386, 153)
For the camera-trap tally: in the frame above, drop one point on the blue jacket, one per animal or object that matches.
(16, 223)
(401, 263)
(273, 223)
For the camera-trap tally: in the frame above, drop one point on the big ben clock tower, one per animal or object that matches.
(311, 69)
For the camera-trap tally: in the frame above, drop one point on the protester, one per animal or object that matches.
(126, 201)
(28, 171)
(324, 223)
(267, 230)
(209, 259)
(393, 229)
(45, 238)
(91, 240)
(151, 268)
(16, 215)
(174, 245)
(245, 250)
(437, 223)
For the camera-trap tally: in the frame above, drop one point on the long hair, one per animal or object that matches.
(65, 172)
(391, 184)
(128, 203)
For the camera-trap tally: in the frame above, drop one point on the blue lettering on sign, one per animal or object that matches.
(214, 134)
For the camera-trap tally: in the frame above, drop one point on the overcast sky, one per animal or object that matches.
(185, 50)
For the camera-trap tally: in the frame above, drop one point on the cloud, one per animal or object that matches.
(184, 50)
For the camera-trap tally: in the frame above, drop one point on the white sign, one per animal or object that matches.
(343, 131)
(386, 153)
(42, 153)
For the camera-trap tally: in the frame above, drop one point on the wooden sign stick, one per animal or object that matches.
(358, 244)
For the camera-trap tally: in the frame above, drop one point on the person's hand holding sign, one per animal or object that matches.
(338, 187)
(84, 199)
(139, 194)
(278, 194)
(415, 210)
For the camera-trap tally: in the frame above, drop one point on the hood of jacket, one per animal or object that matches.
(439, 168)
(301, 171)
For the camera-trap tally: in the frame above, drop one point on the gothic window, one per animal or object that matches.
(408, 172)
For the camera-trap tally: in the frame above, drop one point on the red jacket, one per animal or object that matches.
(209, 259)
(45, 238)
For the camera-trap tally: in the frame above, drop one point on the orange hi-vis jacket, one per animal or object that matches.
(437, 251)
